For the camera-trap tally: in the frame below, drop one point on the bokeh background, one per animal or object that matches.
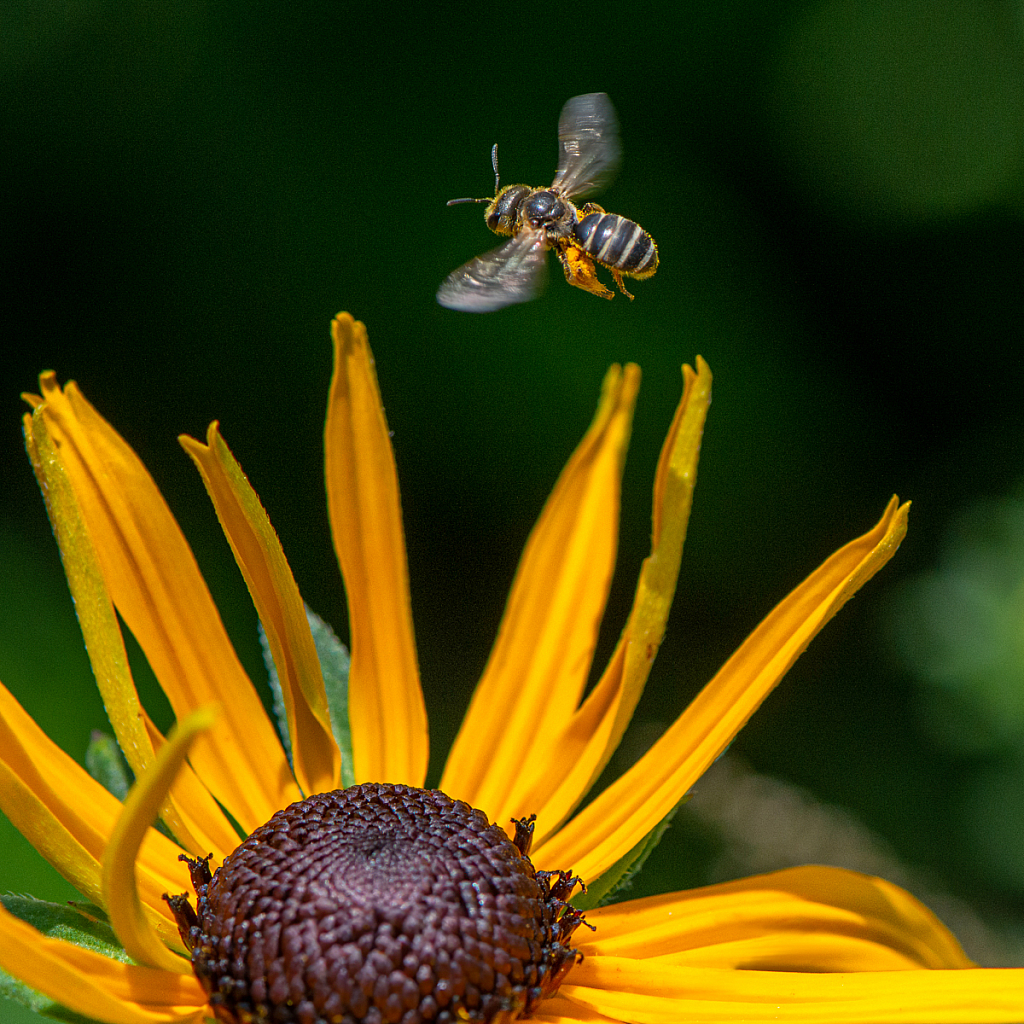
(189, 191)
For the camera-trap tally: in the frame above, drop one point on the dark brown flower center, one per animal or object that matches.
(379, 904)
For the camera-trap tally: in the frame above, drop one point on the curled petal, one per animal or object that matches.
(208, 828)
(634, 804)
(386, 709)
(120, 886)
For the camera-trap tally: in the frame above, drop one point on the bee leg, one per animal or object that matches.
(580, 271)
(618, 281)
(588, 208)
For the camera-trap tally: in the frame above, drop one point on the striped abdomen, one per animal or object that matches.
(617, 243)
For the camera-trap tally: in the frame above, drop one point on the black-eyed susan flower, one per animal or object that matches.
(382, 901)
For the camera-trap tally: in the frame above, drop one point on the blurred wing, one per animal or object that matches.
(514, 272)
(588, 145)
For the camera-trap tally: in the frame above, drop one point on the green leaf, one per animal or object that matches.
(621, 874)
(80, 924)
(334, 666)
(274, 680)
(106, 764)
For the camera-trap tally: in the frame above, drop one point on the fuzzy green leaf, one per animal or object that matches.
(621, 874)
(334, 666)
(80, 924)
(106, 764)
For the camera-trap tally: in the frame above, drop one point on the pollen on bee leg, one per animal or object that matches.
(580, 272)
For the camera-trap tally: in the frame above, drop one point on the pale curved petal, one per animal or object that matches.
(578, 749)
(94, 985)
(207, 825)
(615, 821)
(650, 992)
(128, 917)
(386, 709)
(316, 759)
(545, 646)
(155, 583)
(807, 918)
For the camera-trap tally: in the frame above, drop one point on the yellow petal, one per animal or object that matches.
(94, 985)
(627, 810)
(385, 702)
(51, 838)
(650, 992)
(105, 644)
(797, 950)
(578, 749)
(808, 918)
(152, 577)
(120, 886)
(542, 657)
(315, 756)
(68, 816)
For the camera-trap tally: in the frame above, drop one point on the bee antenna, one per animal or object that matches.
(494, 164)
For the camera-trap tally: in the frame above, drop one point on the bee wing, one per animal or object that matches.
(514, 272)
(588, 145)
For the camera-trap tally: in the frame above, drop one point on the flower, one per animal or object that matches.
(810, 944)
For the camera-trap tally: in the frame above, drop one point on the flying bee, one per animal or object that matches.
(539, 219)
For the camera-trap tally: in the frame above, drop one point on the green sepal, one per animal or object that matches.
(80, 924)
(334, 666)
(621, 874)
(106, 764)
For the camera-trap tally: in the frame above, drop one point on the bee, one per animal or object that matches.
(539, 219)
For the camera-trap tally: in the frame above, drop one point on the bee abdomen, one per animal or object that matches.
(617, 243)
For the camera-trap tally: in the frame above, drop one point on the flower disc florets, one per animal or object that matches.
(379, 903)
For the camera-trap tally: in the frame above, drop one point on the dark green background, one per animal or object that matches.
(190, 191)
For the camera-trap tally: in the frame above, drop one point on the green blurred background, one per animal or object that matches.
(191, 190)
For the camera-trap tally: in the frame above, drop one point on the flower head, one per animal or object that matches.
(383, 901)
